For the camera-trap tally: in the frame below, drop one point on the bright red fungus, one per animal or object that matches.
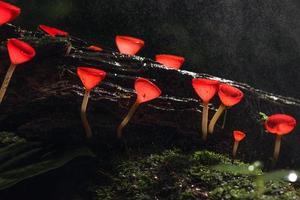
(238, 136)
(53, 31)
(8, 12)
(146, 91)
(94, 48)
(90, 77)
(170, 61)
(19, 52)
(129, 45)
(229, 96)
(279, 124)
(206, 90)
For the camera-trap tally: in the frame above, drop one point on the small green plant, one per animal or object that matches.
(263, 116)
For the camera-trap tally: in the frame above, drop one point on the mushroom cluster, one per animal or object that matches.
(21, 52)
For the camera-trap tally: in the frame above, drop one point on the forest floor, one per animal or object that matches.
(161, 166)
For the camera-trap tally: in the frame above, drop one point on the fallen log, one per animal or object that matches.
(44, 96)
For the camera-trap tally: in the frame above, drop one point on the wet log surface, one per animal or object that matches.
(44, 97)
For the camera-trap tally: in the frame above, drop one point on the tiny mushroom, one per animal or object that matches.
(94, 48)
(170, 61)
(129, 45)
(206, 90)
(89, 77)
(8, 12)
(229, 97)
(279, 124)
(19, 52)
(146, 91)
(238, 136)
(53, 32)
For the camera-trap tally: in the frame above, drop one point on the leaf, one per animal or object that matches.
(29, 160)
(238, 169)
(279, 175)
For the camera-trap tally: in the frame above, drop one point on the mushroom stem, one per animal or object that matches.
(215, 118)
(234, 150)
(277, 147)
(127, 118)
(84, 120)
(6, 81)
(224, 118)
(68, 49)
(204, 121)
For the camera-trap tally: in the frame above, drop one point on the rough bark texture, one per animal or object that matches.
(44, 97)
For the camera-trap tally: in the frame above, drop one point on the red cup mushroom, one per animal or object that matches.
(279, 124)
(53, 31)
(170, 61)
(129, 45)
(238, 136)
(8, 12)
(89, 77)
(206, 90)
(94, 48)
(229, 97)
(19, 52)
(146, 91)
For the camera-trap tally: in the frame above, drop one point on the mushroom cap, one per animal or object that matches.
(19, 51)
(8, 12)
(238, 135)
(146, 90)
(205, 88)
(53, 31)
(170, 61)
(129, 45)
(94, 48)
(229, 95)
(90, 77)
(280, 124)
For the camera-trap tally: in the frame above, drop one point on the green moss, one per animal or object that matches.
(7, 138)
(176, 175)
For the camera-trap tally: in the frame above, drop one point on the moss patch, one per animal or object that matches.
(173, 174)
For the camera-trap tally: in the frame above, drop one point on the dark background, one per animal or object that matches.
(251, 41)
